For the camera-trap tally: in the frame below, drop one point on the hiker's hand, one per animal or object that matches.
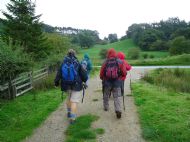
(85, 85)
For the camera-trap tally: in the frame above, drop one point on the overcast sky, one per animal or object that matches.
(107, 16)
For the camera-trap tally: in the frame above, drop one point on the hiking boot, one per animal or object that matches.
(118, 114)
(105, 109)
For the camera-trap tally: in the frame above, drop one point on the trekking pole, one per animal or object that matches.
(122, 90)
(123, 102)
(83, 91)
(130, 82)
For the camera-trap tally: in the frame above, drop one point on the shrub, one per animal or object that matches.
(145, 56)
(134, 53)
(12, 62)
(151, 56)
(103, 53)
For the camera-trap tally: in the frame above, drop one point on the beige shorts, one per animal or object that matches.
(74, 96)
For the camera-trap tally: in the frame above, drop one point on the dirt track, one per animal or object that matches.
(127, 129)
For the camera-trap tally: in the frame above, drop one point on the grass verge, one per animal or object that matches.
(171, 60)
(173, 79)
(81, 131)
(164, 115)
(19, 117)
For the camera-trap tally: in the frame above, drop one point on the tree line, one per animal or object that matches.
(172, 35)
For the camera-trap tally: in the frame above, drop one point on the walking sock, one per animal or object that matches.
(72, 118)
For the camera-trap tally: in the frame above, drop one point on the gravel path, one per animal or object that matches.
(126, 129)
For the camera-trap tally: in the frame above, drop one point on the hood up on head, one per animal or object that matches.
(111, 53)
(121, 55)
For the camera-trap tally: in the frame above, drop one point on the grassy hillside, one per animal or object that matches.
(123, 46)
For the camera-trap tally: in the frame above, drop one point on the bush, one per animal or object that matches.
(145, 56)
(134, 53)
(12, 62)
(179, 45)
(103, 53)
(151, 56)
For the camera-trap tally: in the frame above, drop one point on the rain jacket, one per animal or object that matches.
(89, 63)
(117, 83)
(121, 56)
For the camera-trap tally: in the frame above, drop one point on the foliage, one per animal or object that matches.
(103, 53)
(164, 115)
(175, 79)
(145, 55)
(155, 36)
(81, 131)
(179, 45)
(21, 27)
(20, 117)
(134, 53)
(159, 45)
(112, 38)
(12, 62)
(59, 43)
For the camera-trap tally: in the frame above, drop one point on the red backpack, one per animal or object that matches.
(112, 71)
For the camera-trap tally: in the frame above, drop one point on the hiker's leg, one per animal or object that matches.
(117, 98)
(106, 97)
(74, 99)
(68, 103)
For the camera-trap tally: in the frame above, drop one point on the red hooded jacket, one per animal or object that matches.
(121, 56)
(112, 54)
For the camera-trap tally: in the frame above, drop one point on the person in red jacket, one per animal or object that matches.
(111, 73)
(121, 56)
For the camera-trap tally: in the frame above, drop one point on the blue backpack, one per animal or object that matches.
(69, 70)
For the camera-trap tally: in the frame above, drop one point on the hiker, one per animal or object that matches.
(111, 73)
(72, 77)
(88, 61)
(121, 56)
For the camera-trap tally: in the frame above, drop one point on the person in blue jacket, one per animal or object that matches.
(89, 63)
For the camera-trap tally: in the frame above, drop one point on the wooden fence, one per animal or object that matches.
(23, 83)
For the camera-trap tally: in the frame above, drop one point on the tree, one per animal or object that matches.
(179, 45)
(86, 38)
(112, 38)
(21, 27)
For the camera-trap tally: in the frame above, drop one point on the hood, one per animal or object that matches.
(111, 53)
(121, 55)
(86, 56)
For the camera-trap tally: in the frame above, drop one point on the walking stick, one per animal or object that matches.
(122, 90)
(82, 94)
(130, 81)
(123, 102)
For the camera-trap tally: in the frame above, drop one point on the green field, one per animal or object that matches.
(164, 115)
